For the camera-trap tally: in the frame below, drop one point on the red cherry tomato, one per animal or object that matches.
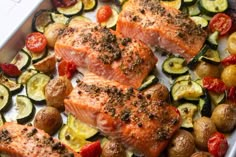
(214, 84)
(104, 13)
(91, 150)
(221, 22)
(10, 70)
(217, 145)
(66, 68)
(36, 42)
(229, 60)
(231, 94)
(63, 3)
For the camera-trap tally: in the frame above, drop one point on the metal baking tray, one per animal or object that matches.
(12, 41)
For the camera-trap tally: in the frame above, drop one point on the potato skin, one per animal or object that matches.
(201, 154)
(224, 117)
(48, 119)
(56, 91)
(52, 31)
(113, 149)
(203, 128)
(46, 65)
(181, 144)
(228, 75)
(157, 92)
(204, 69)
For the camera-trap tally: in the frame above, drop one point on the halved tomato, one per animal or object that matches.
(104, 13)
(36, 42)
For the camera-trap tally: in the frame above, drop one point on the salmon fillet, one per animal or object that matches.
(161, 26)
(26, 141)
(124, 114)
(106, 53)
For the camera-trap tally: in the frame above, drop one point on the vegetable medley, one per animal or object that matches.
(203, 90)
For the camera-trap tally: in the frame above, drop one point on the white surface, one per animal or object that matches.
(12, 14)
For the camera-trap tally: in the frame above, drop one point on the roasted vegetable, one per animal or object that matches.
(228, 75)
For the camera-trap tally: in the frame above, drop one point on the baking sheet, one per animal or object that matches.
(12, 40)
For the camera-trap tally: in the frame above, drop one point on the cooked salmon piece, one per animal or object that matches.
(105, 53)
(26, 141)
(124, 114)
(161, 26)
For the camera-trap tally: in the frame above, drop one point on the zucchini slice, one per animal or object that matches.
(2, 119)
(149, 81)
(189, 2)
(198, 20)
(81, 129)
(187, 112)
(72, 10)
(25, 109)
(22, 60)
(70, 138)
(13, 87)
(204, 105)
(173, 3)
(35, 57)
(35, 87)
(211, 56)
(212, 40)
(89, 5)
(217, 98)
(194, 10)
(5, 98)
(183, 77)
(111, 22)
(120, 2)
(211, 7)
(188, 90)
(41, 19)
(175, 66)
(59, 18)
(23, 78)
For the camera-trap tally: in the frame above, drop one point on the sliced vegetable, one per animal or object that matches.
(204, 105)
(173, 3)
(11, 84)
(231, 43)
(35, 87)
(91, 150)
(10, 70)
(211, 56)
(183, 77)
(220, 22)
(47, 64)
(5, 98)
(189, 2)
(217, 98)
(198, 20)
(78, 18)
(104, 13)
(70, 138)
(63, 3)
(175, 66)
(35, 57)
(194, 10)
(36, 42)
(217, 145)
(59, 18)
(2, 119)
(22, 60)
(186, 89)
(75, 9)
(25, 109)
(187, 111)
(111, 22)
(89, 4)
(81, 129)
(214, 84)
(212, 40)
(120, 2)
(40, 20)
(66, 68)
(23, 78)
(149, 81)
(211, 7)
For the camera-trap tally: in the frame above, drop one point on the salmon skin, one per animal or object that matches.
(26, 141)
(106, 53)
(161, 26)
(124, 114)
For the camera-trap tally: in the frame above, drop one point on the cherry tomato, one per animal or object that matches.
(229, 60)
(63, 3)
(36, 42)
(10, 70)
(231, 94)
(214, 84)
(221, 22)
(91, 150)
(104, 13)
(217, 145)
(66, 68)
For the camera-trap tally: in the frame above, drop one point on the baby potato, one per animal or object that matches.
(224, 117)
(231, 43)
(201, 154)
(204, 69)
(203, 128)
(228, 75)
(113, 149)
(46, 65)
(48, 119)
(52, 31)
(158, 92)
(56, 91)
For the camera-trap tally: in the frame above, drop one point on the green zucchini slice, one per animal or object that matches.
(175, 66)
(22, 79)
(5, 98)
(89, 5)
(41, 19)
(59, 18)
(2, 119)
(81, 129)
(204, 105)
(72, 10)
(35, 87)
(187, 112)
(194, 10)
(211, 7)
(35, 57)
(149, 81)
(173, 3)
(211, 56)
(212, 40)
(25, 109)
(198, 20)
(22, 60)
(189, 2)
(188, 90)
(111, 22)
(217, 98)
(11, 84)
(183, 77)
